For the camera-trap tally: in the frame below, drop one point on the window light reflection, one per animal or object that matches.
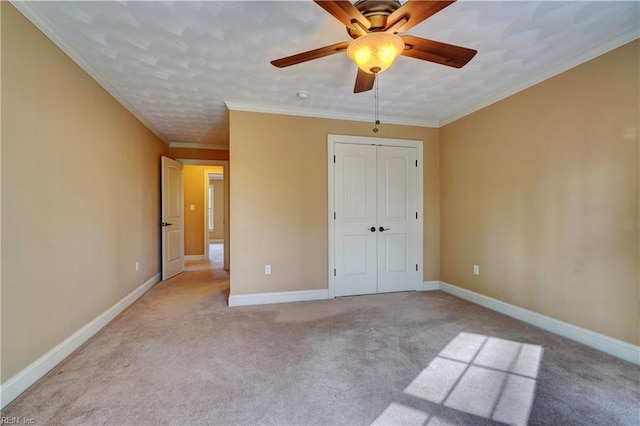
(480, 375)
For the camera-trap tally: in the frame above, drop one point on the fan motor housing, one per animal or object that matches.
(376, 11)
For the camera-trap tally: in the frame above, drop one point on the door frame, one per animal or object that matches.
(226, 173)
(367, 140)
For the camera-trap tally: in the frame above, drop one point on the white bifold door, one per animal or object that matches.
(376, 219)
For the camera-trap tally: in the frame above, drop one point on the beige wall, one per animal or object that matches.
(80, 194)
(279, 198)
(193, 220)
(541, 190)
(218, 210)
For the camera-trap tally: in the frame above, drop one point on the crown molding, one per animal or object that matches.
(565, 66)
(34, 16)
(193, 145)
(270, 109)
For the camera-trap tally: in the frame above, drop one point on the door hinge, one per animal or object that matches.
(334, 272)
(416, 215)
(334, 158)
(334, 215)
(416, 266)
(416, 163)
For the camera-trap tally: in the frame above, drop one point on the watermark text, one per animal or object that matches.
(16, 420)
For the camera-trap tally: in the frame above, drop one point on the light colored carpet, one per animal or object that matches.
(181, 356)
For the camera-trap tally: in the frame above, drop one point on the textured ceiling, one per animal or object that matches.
(175, 64)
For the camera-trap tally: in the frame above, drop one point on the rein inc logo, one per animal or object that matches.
(10, 420)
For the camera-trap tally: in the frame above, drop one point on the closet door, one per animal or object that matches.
(376, 223)
(397, 194)
(355, 214)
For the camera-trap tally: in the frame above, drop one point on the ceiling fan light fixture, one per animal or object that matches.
(376, 51)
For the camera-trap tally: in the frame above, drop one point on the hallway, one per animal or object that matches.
(209, 274)
(215, 261)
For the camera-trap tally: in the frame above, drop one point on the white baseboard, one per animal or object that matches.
(192, 257)
(607, 344)
(277, 297)
(17, 384)
(430, 285)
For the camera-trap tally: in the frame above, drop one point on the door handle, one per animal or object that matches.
(372, 229)
(381, 229)
(163, 224)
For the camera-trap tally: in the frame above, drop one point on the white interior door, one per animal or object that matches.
(355, 216)
(172, 218)
(376, 219)
(397, 219)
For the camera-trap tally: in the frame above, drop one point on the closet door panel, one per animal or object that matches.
(355, 209)
(397, 222)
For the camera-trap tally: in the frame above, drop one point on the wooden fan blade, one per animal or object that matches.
(311, 54)
(364, 81)
(415, 11)
(345, 12)
(438, 52)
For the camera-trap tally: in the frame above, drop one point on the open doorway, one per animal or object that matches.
(206, 207)
(215, 222)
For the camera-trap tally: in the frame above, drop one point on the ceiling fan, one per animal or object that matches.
(374, 26)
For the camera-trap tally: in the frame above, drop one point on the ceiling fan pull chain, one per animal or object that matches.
(377, 120)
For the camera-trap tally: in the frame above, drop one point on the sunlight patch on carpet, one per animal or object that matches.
(479, 375)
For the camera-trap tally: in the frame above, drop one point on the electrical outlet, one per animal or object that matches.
(137, 266)
(476, 270)
(267, 269)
